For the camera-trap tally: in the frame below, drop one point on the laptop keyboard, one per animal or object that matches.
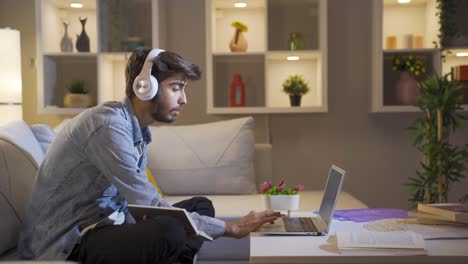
(299, 224)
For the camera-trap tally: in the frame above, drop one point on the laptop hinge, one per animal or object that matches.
(320, 224)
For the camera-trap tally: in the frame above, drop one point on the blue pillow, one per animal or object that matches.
(44, 134)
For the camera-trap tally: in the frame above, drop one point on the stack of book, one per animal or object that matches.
(443, 214)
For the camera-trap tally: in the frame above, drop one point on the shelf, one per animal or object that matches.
(264, 70)
(278, 70)
(285, 17)
(50, 109)
(51, 15)
(265, 110)
(110, 25)
(70, 54)
(251, 69)
(223, 14)
(125, 25)
(59, 71)
(427, 50)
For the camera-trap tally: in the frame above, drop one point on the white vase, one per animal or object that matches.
(281, 202)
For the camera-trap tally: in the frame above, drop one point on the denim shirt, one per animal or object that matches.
(92, 170)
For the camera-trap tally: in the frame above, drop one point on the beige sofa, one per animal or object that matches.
(21, 152)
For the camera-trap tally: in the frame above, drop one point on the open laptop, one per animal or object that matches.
(316, 225)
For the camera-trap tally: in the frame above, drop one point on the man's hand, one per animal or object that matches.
(250, 223)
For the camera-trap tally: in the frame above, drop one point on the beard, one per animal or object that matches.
(162, 113)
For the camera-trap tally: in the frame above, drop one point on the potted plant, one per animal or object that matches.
(406, 87)
(450, 34)
(238, 41)
(77, 96)
(444, 163)
(295, 86)
(280, 197)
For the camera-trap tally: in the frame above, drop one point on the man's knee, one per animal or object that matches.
(170, 231)
(206, 205)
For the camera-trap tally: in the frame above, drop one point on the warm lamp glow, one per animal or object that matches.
(293, 58)
(403, 1)
(462, 54)
(76, 5)
(240, 4)
(10, 76)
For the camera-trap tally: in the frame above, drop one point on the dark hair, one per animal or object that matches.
(166, 65)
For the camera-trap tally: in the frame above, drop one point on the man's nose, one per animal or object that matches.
(182, 99)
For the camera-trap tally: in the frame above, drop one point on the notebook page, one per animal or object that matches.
(380, 240)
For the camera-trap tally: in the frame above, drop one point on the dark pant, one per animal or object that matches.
(155, 240)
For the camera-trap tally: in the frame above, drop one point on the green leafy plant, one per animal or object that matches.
(240, 26)
(268, 188)
(77, 87)
(444, 163)
(295, 85)
(409, 63)
(447, 10)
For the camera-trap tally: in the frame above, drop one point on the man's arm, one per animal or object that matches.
(250, 223)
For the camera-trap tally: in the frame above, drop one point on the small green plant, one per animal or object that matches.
(77, 87)
(295, 85)
(409, 63)
(240, 26)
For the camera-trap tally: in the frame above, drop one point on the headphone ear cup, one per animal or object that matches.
(154, 86)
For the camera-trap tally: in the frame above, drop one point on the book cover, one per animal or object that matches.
(451, 211)
(139, 212)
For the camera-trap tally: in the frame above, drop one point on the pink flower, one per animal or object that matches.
(281, 185)
(266, 185)
(299, 187)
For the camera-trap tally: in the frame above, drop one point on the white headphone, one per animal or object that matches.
(146, 85)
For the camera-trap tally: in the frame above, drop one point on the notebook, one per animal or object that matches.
(315, 225)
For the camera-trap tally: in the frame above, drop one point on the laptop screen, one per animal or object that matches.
(330, 195)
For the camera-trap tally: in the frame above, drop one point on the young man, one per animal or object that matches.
(96, 166)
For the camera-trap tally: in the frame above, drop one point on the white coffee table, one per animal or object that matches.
(323, 249)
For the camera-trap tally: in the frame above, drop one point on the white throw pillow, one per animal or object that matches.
(213, 158)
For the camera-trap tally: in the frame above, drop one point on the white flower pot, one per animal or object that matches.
(281, 202)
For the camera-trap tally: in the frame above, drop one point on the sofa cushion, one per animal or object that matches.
(44, 135)
(215, 158)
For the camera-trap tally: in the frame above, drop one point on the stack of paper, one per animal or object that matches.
(380, 243)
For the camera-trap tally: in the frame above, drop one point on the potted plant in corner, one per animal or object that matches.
(444, 163)
(238, 41)
(280, 197)
(77, 96)
(295, 86)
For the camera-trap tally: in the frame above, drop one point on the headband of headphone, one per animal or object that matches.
(145, 85)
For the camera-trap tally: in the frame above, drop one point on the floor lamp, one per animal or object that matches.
(10, 76)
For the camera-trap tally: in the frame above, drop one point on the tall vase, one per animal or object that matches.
(66, 44)
(82, 40)
(406, 89)
(238, 42)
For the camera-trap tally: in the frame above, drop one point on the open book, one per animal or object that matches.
(139, 211)
(380, 243)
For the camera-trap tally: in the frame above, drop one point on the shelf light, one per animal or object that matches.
(403, 1)
(76, 5)
(240, 4)
(293, 58)
(462, 54)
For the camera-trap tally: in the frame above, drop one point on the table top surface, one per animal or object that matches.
(323, 249)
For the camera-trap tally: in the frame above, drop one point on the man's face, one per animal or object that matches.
(170, 99)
